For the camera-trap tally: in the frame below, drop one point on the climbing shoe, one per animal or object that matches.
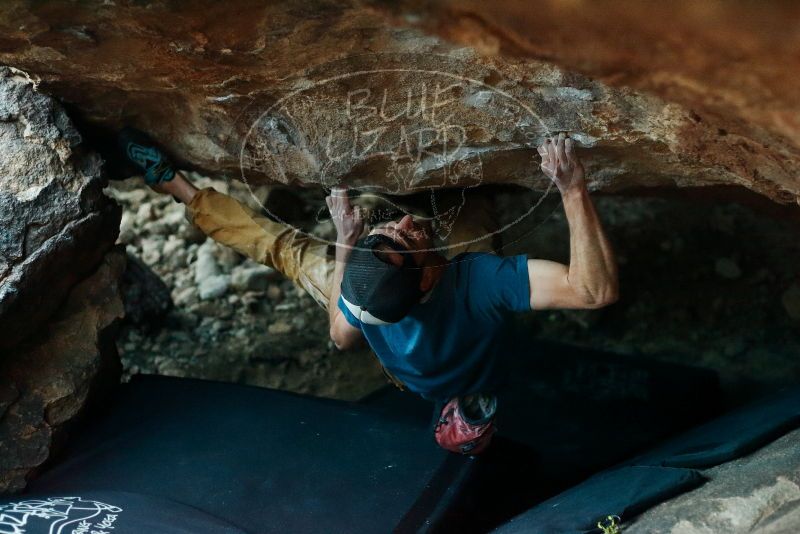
(145, 154)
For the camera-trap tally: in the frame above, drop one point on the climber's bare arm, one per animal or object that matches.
(349, 224)
(590, 280)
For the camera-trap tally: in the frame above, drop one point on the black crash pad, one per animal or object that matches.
(565, 414)
(582, 409)
(731, 436)
(622, 492)
(260, 460)
(579, 410)
(108, 512)
(655, 476)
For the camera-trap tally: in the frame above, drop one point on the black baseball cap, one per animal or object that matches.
(375, 290)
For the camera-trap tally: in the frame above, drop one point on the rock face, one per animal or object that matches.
(733, 61)
(55, 223)
(46, 381)
(146, 296)
(58, 277)
(320, 92)
(759, 494)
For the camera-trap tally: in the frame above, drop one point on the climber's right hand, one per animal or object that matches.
(561, 164)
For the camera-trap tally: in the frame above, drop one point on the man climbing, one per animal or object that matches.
(433, 322)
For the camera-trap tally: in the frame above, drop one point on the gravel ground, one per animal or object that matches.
(233, 319)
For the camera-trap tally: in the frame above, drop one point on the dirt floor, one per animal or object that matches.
(704, 282)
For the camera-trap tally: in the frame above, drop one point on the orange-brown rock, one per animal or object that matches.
(326, 92)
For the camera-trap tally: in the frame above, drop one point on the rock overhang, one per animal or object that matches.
(200, 78)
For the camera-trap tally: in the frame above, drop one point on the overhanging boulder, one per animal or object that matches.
(325, 93)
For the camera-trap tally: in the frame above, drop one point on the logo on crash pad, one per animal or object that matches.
(58, 515)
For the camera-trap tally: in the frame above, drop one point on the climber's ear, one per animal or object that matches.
(428, 278)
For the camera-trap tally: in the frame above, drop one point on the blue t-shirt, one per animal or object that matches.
(450, 344)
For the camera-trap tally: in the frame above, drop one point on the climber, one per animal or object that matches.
(434, 322)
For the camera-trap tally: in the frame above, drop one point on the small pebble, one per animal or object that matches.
(214, 286)
(279, 327)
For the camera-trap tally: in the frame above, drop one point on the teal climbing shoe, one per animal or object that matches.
(145, 154)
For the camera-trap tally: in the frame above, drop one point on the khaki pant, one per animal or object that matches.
(304, 260)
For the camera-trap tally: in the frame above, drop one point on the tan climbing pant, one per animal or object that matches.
(307, 261)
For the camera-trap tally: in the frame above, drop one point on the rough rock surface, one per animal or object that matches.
(146, 296)
(55, 222)
(292, 88)
(759, 493)
(58, 277)
(49, 378)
